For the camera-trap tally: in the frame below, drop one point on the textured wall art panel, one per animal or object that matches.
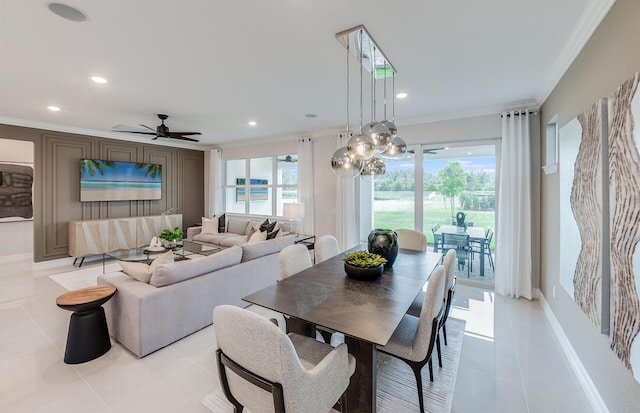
(624, 204)
(583, 197)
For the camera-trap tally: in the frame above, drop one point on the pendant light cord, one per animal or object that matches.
(373, 86)
(393, 82)
(385, 89)
(347, 137)
(361, 105)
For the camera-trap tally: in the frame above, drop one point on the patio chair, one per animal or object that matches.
(436, 238)
(459, 242)
(476, 247)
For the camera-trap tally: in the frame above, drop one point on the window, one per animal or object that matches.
(260, 186)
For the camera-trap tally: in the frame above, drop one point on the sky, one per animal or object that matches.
(123, 171)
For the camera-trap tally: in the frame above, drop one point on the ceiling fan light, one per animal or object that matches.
(360, 146)
(396, 150)
(344, 165)
(373, 169)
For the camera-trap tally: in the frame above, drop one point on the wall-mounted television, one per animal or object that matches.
(102, 180)
(255, 194)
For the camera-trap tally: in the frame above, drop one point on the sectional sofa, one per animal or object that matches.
(181, 296)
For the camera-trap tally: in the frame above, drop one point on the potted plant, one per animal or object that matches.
(363, 265)
(171, 235)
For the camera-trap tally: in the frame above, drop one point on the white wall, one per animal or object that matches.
(18, 235)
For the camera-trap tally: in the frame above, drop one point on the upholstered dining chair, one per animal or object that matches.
(265, 370)
(326, 247)
(413, 340)
(409, 239)
(292, 260)
(449, 290)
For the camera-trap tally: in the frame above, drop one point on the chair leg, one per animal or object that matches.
(430, 369)
(444, 332)
(417, 371)
(343, 402)
(438, 348)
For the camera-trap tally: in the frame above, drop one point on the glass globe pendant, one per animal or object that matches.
(344, 165)
(380, 135)
(374, 168)
(393, 130)
(360, 146)
(396, 150)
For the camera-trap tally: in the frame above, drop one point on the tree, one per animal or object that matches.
(452, 180)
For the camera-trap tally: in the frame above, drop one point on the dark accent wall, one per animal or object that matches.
(57, 183)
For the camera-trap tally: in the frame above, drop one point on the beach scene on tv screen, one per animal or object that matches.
(119, 181)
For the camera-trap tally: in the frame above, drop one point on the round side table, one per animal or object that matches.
(88, 336)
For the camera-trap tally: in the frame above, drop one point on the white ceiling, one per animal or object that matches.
(213, 66)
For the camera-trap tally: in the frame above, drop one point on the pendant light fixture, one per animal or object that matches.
(342, 164)
(375, 140)
(361, 145)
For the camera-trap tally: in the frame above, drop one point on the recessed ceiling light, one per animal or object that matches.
(67, 12)
(446, 147)
(98, 79)
(310, 115)
(252, 123)
(468, 153)
(401, 95)
(53, 108)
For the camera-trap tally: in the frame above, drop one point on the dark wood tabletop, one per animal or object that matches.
(323, 295)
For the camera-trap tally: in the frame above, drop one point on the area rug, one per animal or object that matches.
(396, 388)
(83, 277)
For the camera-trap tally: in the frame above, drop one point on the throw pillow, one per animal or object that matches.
(252, 230)
(143, 272)
(136, 270)
(268, 228)
(257, 237)
(210, 226)
(222, 221)
(272, 234)
(264, 225)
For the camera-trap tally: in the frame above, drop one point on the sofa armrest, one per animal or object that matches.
(193, 231)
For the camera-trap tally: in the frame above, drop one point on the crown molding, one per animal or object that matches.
(587, 25)
(97, 133)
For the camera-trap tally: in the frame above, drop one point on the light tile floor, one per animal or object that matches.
(511, 361)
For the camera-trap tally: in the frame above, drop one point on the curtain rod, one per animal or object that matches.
(518, 113)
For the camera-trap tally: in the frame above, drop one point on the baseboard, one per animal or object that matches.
(591, 391)
(16, 258)
(51, 263)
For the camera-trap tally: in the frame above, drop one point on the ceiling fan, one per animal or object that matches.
(161, 131)
(288, 158)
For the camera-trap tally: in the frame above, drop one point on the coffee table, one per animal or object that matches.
(88, 336)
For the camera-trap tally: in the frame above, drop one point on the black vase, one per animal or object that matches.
(384, 242)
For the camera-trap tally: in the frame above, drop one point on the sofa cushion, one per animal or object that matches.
(210, 226)
(141, 271)
(168, 274)
(237, 225)
(233, 240)
(211, 238)
(260, 249)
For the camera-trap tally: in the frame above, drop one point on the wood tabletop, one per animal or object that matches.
(367, 310)
(86, 295)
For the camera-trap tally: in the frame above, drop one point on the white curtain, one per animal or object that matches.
(214, 183)
(347, 222)
(305, 185)
(513, 235)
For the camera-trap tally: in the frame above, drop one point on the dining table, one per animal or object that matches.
(476, 236)
(366, 312)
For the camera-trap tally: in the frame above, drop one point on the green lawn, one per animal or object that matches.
(393, 219)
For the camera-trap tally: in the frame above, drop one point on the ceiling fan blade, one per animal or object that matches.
(145, 126)
(185, 138)
(138, 132)
(183, 133)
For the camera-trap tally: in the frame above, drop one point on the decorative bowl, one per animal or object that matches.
(363, 273)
